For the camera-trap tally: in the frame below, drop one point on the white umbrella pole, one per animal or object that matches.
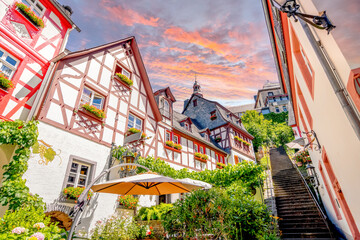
(78, 208)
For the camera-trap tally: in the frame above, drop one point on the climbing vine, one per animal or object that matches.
(13, 191)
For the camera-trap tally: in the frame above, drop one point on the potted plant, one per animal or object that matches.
(124, 79)
(198, 154)
(128, 201)
(204, 157)
(73, 193)
(143, 135)
(5, 83)
(29, 14)
(213, 117)
(95, 111)
(177, 146)
(217, 139)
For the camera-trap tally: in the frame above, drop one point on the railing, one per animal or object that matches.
(315, 200)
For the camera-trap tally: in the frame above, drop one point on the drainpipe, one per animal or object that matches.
(335, 80)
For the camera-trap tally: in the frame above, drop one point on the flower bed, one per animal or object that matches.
(128, 201)
(5, 83)
(92, 109)
(73, 193)
(30, 15)
(124, 79)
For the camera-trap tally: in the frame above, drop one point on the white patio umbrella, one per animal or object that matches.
(145, 184)
(195, 183)
(296, 144)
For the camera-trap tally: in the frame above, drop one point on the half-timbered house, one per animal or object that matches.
(27, 44)
(223, 126)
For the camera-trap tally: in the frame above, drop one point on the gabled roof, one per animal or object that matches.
(140, 64)
(195, 131)
(223, 113)
(167, 92)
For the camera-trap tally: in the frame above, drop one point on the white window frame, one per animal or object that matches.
(134, 123)
(306, 60)
(78, 173)
(33, 6)
(177, 139)
(94, 93)
(167, 136)
(125, 72)
(3, 62)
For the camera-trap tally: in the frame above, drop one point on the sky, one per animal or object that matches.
(225, 43)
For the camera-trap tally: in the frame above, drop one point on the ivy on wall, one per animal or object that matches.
(13, 191)
(245, 173)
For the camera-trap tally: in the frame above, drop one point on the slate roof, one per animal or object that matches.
(195, 131)
(241, 108)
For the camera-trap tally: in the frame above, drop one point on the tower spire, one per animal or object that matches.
(197, 87)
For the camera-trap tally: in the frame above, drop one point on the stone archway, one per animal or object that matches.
(63, 220)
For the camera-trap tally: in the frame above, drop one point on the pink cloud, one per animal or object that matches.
(127, 17)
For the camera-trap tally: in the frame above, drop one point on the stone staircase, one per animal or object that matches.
(299, 215)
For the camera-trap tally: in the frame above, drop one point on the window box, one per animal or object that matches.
(132, 131)
(220, 165)
(5, 83)
(218, 139)
(93, 110)
(29, 15)
(213, 117)
(201, 157)
(124, 79)
(73, 193)
(173, 146)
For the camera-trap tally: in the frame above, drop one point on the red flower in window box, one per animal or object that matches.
(5, 83)
(30, 15)
(217, 139)
(169, 143)
(94, 110)
(213, 117)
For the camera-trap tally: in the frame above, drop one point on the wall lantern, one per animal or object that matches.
(291, 8)
(310, 169)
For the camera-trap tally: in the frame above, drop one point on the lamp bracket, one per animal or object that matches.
(321, 22)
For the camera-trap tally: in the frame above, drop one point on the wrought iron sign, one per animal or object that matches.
(313, 141)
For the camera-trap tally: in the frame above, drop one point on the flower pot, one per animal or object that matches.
(299, 164)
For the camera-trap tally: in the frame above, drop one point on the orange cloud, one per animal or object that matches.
(127, 17)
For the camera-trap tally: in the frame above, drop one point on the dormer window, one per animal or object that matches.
(165, 108)
(187, 126)
(213, 115)
(270, 94)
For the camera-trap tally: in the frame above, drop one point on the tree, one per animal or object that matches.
(266, 132)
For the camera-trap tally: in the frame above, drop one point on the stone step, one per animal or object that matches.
(306, 216)
(297, 207)
(304, 219)
(302, 225)
(296, 212)
(313, 235)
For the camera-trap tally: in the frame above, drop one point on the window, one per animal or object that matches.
(167, 136)
(213, 115)
(196, 148)
(165, 198)
(270, 94)
(306, 60)
(91, 97)
(277, 109)
(79, 174)
(202, 150)
(284, 109)
(187, 126)
(175, 139)
(8, 64)
(36, 6)
(195, 103)
(122, 70)
(165, 107)
(134, 122)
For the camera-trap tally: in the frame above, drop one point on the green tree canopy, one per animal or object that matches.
(266, 131)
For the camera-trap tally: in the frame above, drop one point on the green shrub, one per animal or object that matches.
(5, 83)
(115, 228)
(218, 214)
(32, 220)
(156, 212)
